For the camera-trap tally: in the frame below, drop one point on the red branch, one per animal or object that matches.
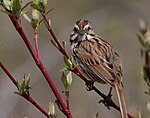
(36, 43)
(67, 99)
(41, 66)
(27, 97)
(76, 70)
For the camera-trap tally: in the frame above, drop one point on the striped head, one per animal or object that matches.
(81, 31)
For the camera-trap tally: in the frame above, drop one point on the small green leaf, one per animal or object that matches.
(18, 86)
(7, 4)
(23, 86)
(18, 93)
(27, 80)
(6, 12)
(69, 78)
(63, 79)
(147, 92)
(16, 7)
(63, 69)
(36, 6)
(26, 5)
(68, 62)
(54, 44)
(27, 18)
(24, 12)
(64, 44)
(49, 11)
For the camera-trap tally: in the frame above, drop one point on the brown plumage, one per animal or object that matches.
(97, 59)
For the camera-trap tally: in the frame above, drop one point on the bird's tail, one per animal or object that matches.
(121, 99)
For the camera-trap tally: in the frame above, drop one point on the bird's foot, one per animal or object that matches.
(89, 85)
(107, 101)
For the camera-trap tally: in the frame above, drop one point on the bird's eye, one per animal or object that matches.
(75, 29)
(88, 28)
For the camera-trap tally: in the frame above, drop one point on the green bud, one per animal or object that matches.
(23, 88)
(51, 110)
(54, 44)
(35, 18)
(44, 2)
(148, 106)
(39, 5)
(144, 35)
(66, 79)
(143, 27)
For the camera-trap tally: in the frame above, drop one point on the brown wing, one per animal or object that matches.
(97, 61)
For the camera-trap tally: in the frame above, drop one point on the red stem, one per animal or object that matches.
(67, 100)
(54, 36)
(41, 66)
(27, 97)
(36, 42)
(8, 74)
(30, 99)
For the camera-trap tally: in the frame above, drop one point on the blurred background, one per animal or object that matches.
(115, 20)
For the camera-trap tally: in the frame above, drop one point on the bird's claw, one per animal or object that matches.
(89, 85)
(107, 101)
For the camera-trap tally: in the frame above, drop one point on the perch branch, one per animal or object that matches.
(76, 70)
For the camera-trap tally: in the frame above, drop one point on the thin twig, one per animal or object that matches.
(67, 99)
(27, 97)
(36, 42)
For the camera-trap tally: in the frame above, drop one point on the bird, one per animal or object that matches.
(97, 59)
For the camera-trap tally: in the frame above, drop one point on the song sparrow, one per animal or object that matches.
(97, 59)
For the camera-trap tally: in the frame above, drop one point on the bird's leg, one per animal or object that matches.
(89, 85)
(107, 101)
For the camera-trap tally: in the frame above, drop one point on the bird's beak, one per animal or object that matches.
(81, 32)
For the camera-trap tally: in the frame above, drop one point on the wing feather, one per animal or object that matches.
(94, 61)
